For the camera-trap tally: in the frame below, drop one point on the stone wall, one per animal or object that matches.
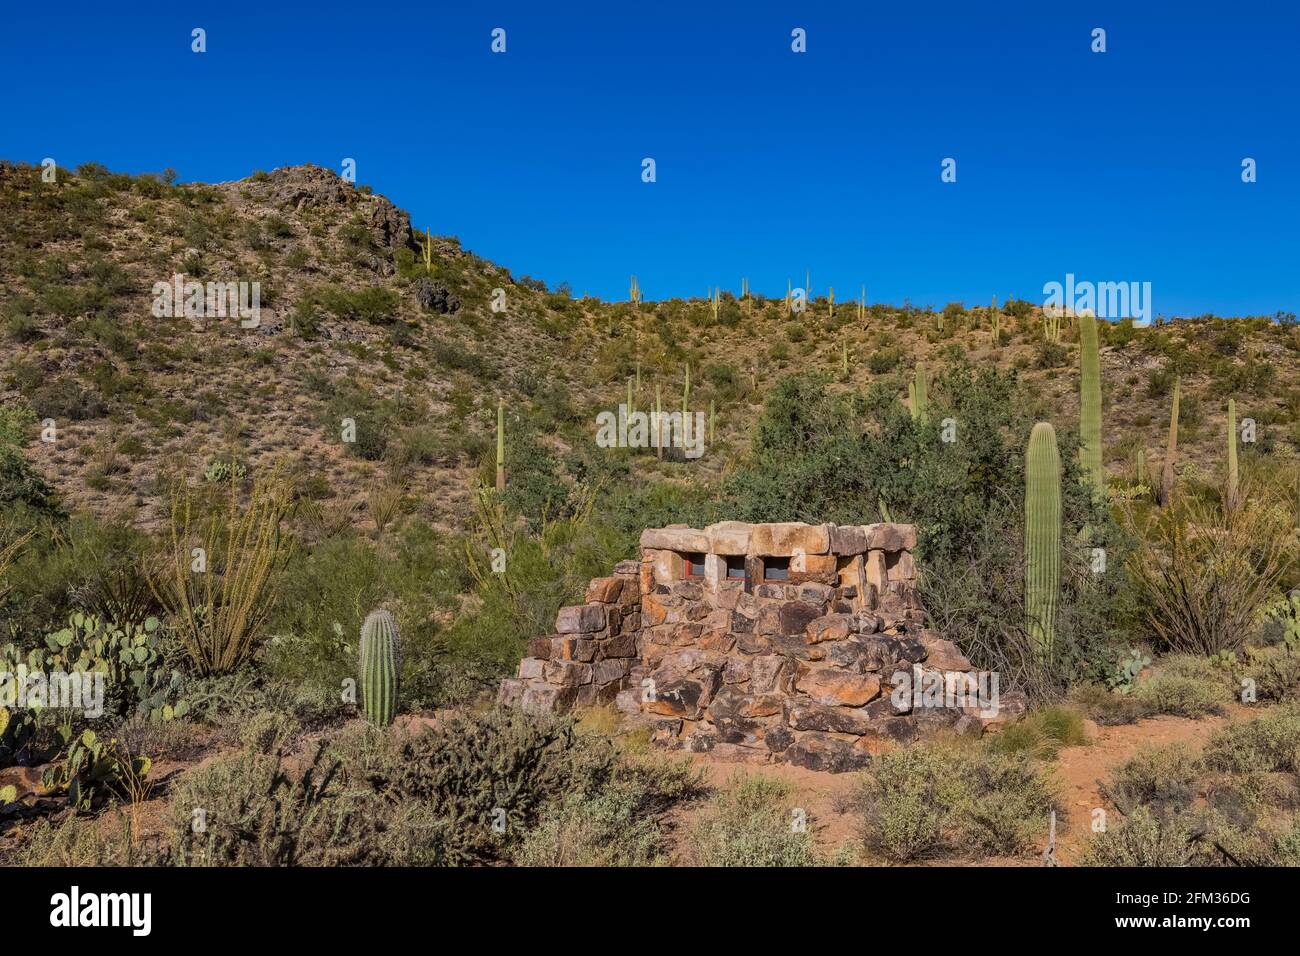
(800, 668)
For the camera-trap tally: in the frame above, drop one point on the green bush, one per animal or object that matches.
(1182, 695)
(1144, 839)
(1163, 776)
(1269, 743)
(937, 800)
(618, 825)
(750, 823)
(465, 791)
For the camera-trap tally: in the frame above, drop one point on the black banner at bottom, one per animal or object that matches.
(216, 906)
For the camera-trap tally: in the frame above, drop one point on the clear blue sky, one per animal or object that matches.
(1118, 166)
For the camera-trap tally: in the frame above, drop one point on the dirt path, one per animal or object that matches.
(828, 798)
(1080, 770)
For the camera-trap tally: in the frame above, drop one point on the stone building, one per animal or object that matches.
(796, 642)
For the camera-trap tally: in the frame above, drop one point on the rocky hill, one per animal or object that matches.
(357, 324)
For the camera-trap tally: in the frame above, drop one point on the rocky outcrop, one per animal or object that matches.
(435, 296)
(794, 642)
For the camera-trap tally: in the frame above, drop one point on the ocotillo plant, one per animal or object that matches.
(918, 397)
(1171, 450)
(381, 667)
(1042, 536)
(1232, 453)
(1090, 451)
(501, 445)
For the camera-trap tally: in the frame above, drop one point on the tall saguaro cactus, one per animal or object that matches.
(659, 420)
(1171, 450)
(918, 398)
(1090, 404)
(1232, 453)
(501, 445)
(1042, 536)
(381, 667)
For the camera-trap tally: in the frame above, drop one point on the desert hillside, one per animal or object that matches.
(331, 509)
(356, 325)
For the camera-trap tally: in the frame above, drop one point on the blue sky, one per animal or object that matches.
(1122, 166)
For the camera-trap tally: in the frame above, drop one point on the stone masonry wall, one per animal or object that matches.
(799, 669)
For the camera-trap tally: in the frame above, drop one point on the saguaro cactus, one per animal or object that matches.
(1090, 404)
(501, 445)
(1171, 450)
(1232, 452)
(426, 251)
(1042, 536)
(659, 420)
(381, 666)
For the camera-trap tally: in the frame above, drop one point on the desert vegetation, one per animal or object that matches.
(303, 555)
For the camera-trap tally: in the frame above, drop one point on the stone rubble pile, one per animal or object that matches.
(773, 641)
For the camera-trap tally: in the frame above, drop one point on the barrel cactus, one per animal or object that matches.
(1042, 536)
(381, 666)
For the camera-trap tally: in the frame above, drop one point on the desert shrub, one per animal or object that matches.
(82, 841)
(1269, 743)
(938, 800)
(372, 797)
(1276, 675)
(330, 585)
(161, 739)
(542, 573)
(1041, 733)
(86, 563)
(618, 825)
(1164, 776)
(1181, 695)
(1106, 707)
(1003, 806)
(751, 824)
(1144, 839)
(902, 810)
(21, 485)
